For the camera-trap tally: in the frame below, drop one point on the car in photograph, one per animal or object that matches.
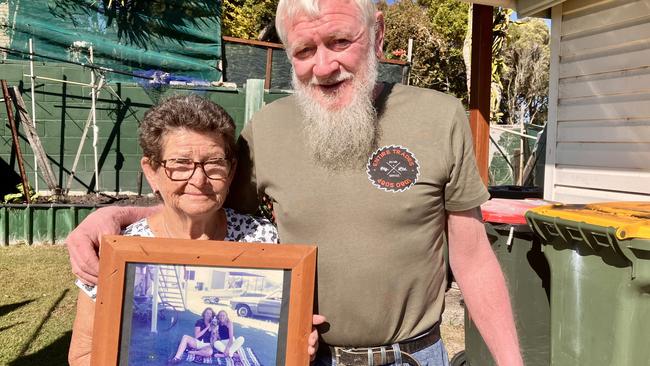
(216, 296)
(268, 305)
(210, 299)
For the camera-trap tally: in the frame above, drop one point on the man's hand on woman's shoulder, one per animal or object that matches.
(83, 241)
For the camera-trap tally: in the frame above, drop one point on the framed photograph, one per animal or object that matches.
(162, 301)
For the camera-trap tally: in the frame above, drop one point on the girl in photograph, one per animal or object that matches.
(223, 338)
(200, 344)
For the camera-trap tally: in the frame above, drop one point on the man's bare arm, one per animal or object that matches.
(83, 242)
(481, 281)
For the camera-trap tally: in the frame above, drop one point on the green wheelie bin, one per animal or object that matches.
(527, 274)
(599, 256)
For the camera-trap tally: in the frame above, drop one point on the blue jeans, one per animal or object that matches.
(434, 355)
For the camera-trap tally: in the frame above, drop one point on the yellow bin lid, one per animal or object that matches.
(630, 219)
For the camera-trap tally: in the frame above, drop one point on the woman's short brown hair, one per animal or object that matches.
(185, 111)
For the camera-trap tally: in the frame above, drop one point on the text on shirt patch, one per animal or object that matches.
(393, 169)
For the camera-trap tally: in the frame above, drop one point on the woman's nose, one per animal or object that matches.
(199, 177)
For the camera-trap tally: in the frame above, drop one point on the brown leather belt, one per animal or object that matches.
(384, 355)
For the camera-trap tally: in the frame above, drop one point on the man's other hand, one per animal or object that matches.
(312, 346)
(83, 242)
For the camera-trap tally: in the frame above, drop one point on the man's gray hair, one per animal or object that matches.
(287, 9)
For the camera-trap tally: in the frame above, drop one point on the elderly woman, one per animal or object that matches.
(188, 145)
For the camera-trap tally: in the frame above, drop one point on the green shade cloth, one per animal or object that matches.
(179, 37)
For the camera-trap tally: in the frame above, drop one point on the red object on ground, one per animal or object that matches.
(507, 211)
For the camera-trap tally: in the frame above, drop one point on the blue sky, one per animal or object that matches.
(515, 17)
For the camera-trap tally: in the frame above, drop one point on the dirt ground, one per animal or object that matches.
(453, 327)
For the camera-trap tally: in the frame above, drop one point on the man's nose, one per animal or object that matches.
(325, 63)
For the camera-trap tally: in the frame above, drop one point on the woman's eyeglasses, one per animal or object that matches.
(183, 169)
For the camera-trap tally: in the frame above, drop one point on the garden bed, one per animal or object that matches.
(98, 200)
(50, 219)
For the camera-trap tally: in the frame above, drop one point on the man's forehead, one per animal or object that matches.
(317, 6)
(328, 22)
(324, 31)
(328, 10)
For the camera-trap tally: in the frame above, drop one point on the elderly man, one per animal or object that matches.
(374, 174)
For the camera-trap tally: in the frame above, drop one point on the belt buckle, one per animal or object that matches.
(355, 355)
(339, 356)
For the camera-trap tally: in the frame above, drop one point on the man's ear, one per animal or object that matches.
(149, 173)
(379, 35)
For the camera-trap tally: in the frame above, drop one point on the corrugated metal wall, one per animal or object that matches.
(602, 115)
(61, 112)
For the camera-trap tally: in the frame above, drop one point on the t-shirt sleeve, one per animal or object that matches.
(464, 189)
(243, 196)
(199, 323)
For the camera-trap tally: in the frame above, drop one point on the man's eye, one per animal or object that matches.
(302, 52)
(341, 43)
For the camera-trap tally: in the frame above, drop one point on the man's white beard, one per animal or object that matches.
(341, 138)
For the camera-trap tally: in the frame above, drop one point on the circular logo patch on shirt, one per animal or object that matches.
(393, 169)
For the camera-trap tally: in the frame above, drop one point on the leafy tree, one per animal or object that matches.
(526, 55)
(450, 21)
(247, 18)
(438, 29)
(406, 19)
(500, 27)
(525, 79)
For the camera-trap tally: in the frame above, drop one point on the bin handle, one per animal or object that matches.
(589, 238)
(544, 231)
(566, 236)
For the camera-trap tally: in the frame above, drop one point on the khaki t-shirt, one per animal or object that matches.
(381, 273)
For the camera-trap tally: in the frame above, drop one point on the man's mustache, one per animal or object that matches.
(342, 76)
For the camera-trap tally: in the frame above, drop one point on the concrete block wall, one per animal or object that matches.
(61, 112)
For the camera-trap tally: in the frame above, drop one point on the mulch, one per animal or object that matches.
(99, 200)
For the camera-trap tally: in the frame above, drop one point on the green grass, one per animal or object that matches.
(37, 305)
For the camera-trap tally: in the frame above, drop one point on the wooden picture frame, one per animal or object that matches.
(121, 256)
